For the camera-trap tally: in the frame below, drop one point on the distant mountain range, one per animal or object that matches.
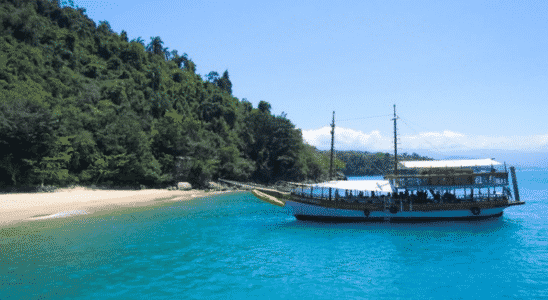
(514, 158)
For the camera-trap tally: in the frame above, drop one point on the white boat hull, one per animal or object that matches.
(304, 211)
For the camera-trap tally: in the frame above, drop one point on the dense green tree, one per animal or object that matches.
(275, 148)
(264, 107)
(138, 40)
(27, 131)
(123, 36)
(167, 53)
(155, 46)
(212, 77)
(67, 2)
(104, 27)
(178, 59)
(189, 65)
(224, 83)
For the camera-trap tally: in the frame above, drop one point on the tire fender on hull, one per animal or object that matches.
(475, 211)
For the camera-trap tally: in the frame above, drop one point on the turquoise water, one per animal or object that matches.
(235, 247)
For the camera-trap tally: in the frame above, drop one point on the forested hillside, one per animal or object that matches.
(360, 163)
(80, 103)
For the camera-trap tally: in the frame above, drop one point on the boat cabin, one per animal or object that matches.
(441, 181)
(472, 179)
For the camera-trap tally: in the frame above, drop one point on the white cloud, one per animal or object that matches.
(445, 133)
(345, 138)
(437, 141)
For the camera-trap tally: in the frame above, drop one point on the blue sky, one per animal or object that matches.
(465, 76)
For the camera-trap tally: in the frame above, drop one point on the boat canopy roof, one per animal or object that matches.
(450, 163)
(360, 185)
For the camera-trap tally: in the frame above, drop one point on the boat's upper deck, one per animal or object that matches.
(470, 173)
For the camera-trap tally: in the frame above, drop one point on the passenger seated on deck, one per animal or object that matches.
(413, 197)
(437, 197)
(449, 198)
(418, 197)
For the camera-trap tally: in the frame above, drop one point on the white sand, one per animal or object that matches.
(15, 208)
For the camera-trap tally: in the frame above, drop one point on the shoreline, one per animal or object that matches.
(18, 208)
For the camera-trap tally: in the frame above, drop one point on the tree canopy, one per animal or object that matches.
(82, 104)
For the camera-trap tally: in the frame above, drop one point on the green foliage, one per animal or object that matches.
(54, 169)
(365, 163)
(27, 131)
(27, 89)
(155, 46)
(11, 167)
(224, 83)
(264, 107)
(107, 167)
(276, 147)
(79, 103)
(318, 163)
(84, 150)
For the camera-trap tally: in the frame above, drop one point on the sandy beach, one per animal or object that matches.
(25, 207)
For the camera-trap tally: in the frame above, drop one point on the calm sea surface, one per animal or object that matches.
(237, 247)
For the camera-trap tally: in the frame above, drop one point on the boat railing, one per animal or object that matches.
(405, 198)
(431, 180)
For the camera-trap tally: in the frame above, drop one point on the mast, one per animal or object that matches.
(332, 147)
(332, 152)
(395, 144)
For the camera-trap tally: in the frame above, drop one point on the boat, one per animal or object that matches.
(430, 190)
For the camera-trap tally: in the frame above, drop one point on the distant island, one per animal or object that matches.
(363, 163)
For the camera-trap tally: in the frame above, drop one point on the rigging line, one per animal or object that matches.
(370, 117)
(371, 163)
(436, 148)
(383, 171)
(370, 155)
(446, 138)
(369, 160)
